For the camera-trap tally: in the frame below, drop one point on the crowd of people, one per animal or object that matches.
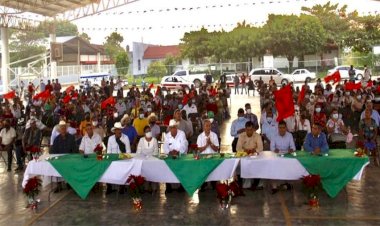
(177, 122)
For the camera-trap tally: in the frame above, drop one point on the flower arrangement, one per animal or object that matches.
(360, 152)
(35, 151)
(99, 151)
(225, 194)
(312, 184)
(135, 188)
(31, 190)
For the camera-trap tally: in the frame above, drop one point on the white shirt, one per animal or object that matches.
(113, 147)
(190, 109)
(202, 141)
(121, 108)
(305, 126)
(55, 133)
(89, 144)
(7, 136)
(282, 143)
(147, 148)
(178, 142)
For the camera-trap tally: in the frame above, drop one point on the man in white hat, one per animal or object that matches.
(119, 142)
(175, 140)
(55, 132)
(64, 142)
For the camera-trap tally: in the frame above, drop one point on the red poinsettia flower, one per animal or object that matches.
(222, 190)
(133, 186)
(98, 148)
(311, 181)
(140, 180)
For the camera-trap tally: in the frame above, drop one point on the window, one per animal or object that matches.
(181, 73)
(139, 64)
(297, 72)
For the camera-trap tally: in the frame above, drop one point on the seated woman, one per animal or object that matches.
(148, 144)
(368, 132)
(336, 130)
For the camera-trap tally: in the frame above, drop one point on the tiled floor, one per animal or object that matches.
(357, 205)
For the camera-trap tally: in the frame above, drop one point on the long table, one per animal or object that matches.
(267, 166)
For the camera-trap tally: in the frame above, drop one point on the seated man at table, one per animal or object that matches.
(174, 145)
(282, 143)
(207, 141)
(250, 142)
(90, 140)
(64, 143)
(119, 142)
(316, 142)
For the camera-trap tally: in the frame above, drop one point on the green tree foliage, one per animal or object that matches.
(122, 63)
(170, 62)
(85, 36)
(365, 33)
(195, 44)
(157, 69)
(112, 45)
(24, 44)
(62, 28)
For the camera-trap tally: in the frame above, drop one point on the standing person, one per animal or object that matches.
(367, 74)
(223, 80)
(7, 139)
(42, 85)
(238, 127)
(243, 84)
(352, 73)
(251, 86)
(236, 83)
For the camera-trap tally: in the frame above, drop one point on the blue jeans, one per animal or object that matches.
(20, 156)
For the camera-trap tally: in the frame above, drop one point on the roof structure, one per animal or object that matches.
(48, 8)
(70, 45)
(160, 52)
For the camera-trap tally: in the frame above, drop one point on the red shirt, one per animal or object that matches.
(49, 87)
(212, 107)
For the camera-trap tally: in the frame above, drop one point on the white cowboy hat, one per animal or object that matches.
(173, 123)
(62, 123)
(117, 125)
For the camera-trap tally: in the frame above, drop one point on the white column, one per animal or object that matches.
(98, 61)
(4, 58)
(53, 64)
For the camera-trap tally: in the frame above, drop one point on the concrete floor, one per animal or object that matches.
(356, 205)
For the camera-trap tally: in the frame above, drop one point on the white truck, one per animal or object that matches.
(197, 79)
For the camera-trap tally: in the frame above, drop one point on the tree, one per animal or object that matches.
(62, 28)
(24, 44)
(292, 36)
(122, 63)
(112, 45)
(170, 62)
(365, 33)
(157, 68)
(85, 36)
(195, 44)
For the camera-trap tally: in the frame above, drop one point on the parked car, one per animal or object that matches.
(343, 70)
(197, 79)
(266, 73)
(300, 75)
(175, 82)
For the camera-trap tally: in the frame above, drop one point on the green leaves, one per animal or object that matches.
(157, 69)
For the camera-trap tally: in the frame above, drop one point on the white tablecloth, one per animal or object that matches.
(117, 173)
(151, 168)
(269, 166)
(156, 170)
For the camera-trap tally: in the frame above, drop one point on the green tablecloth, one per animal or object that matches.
(336, 170)
(192, 173)
(82, 173)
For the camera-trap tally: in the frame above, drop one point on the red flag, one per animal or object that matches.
(69, 89)
(369, 83)
(335, 77)
(66, 99)
(151, 86)
(109, 101)
(301, 96)
(185, 99)
(284, 102)
(353, 86)
(42, 95)
(9, 95)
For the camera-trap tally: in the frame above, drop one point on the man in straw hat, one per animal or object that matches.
(64, 142)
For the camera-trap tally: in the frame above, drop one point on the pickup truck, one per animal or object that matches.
(197, 79)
